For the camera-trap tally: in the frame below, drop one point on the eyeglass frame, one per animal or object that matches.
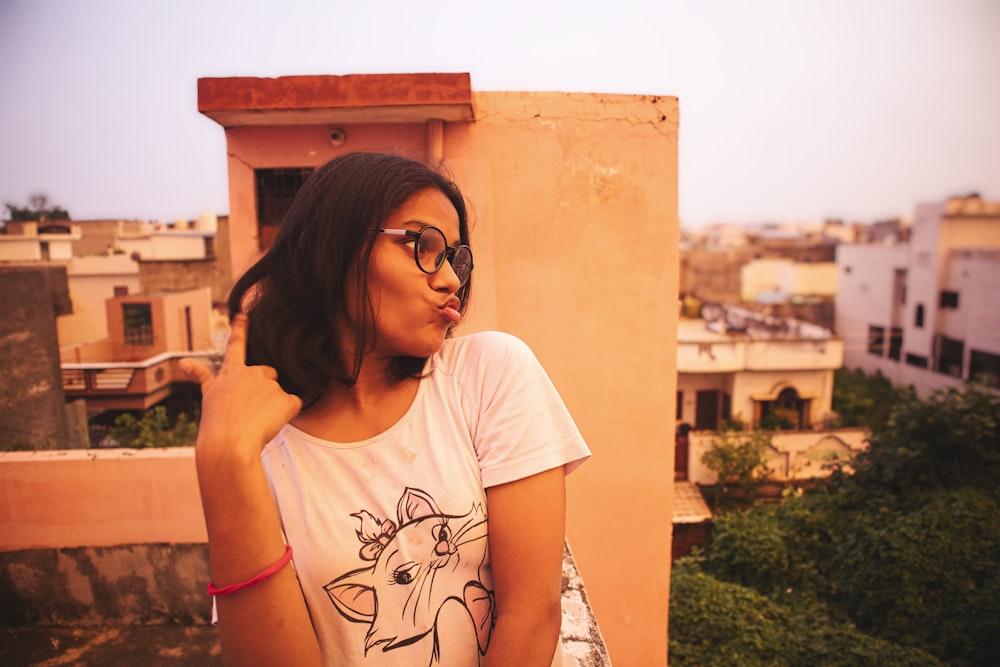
(448, 254)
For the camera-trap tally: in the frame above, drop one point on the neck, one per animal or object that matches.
(372, 404)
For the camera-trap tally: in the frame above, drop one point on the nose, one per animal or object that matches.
(445, 279)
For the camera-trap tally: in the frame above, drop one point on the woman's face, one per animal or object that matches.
(413, 310)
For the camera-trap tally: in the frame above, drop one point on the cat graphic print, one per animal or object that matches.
(422, 562)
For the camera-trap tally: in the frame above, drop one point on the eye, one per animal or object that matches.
(432, 244)
(442, 533)
(404, 574)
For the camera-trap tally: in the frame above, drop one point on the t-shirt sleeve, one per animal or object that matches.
(523, 426)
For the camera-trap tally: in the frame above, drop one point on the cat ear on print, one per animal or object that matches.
(354, 596)
(415, 504)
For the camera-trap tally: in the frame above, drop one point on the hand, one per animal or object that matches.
(244, 406)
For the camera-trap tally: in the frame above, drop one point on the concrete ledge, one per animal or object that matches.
(99, 497)
(94, 604)
(100, 547)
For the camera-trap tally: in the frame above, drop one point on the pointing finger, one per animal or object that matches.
(196, 371)
(236, 348)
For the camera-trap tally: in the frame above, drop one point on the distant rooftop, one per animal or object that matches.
(720, 322)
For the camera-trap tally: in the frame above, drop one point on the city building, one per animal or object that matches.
(135, 367)
(738, 368)
(52, 241)
(782, 273)
(117, 340)
(926, 312)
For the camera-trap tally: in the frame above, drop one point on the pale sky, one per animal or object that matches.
(790, 110)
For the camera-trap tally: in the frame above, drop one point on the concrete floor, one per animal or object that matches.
(148, 646)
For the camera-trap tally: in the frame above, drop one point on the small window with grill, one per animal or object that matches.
(138, 321)
(949, 299)
(276, 188)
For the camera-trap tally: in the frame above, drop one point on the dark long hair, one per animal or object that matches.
(296, 293)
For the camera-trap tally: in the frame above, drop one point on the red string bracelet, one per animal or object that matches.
(269, 572)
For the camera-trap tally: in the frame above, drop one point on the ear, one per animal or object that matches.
(353, 596)
(415, 504)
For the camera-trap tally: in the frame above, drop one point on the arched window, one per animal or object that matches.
(918, 319)
(786, 412)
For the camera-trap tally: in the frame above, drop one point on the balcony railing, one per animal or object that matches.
(125, 385)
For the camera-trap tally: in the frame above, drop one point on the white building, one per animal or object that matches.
(926, 313)
(179, 242)
(741, 366)
(775, 279)
(53, 242)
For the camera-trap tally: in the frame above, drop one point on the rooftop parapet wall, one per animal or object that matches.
(99, 498)
(117, 537)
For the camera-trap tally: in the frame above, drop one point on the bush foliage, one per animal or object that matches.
(738, 458)
(153, 430)
(718, 624)
(904, 552)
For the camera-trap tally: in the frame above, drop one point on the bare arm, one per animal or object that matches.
(242, 409)
(527, 525)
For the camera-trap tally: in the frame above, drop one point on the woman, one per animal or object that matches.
(417, 480)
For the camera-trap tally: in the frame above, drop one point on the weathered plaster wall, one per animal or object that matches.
(575, 202)
(32, 403)
(124, 584)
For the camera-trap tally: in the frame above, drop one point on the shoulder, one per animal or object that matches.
(481, 348)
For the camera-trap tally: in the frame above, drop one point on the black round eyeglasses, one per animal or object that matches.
(431, 249)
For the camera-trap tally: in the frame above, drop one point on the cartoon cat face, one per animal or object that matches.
(421, 562)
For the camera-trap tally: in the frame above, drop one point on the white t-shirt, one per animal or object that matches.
(389, 534)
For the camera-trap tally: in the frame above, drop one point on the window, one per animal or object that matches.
(138, 321)
(276, 188)
(895, 343)
(787, 411)
(876, 340)
(950, 353)
(949, 299)
(899, 285)
(916, 360)
(984, 367)
(918, 318)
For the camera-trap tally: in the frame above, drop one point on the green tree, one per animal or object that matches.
(739, 459)
(153, 430)
(950, 440)
(863, 400)
(905, 549)
(38, 208)
(718, 624)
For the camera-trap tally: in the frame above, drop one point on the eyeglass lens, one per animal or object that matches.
(432, 251)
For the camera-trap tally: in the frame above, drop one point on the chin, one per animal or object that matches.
(424, 347)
